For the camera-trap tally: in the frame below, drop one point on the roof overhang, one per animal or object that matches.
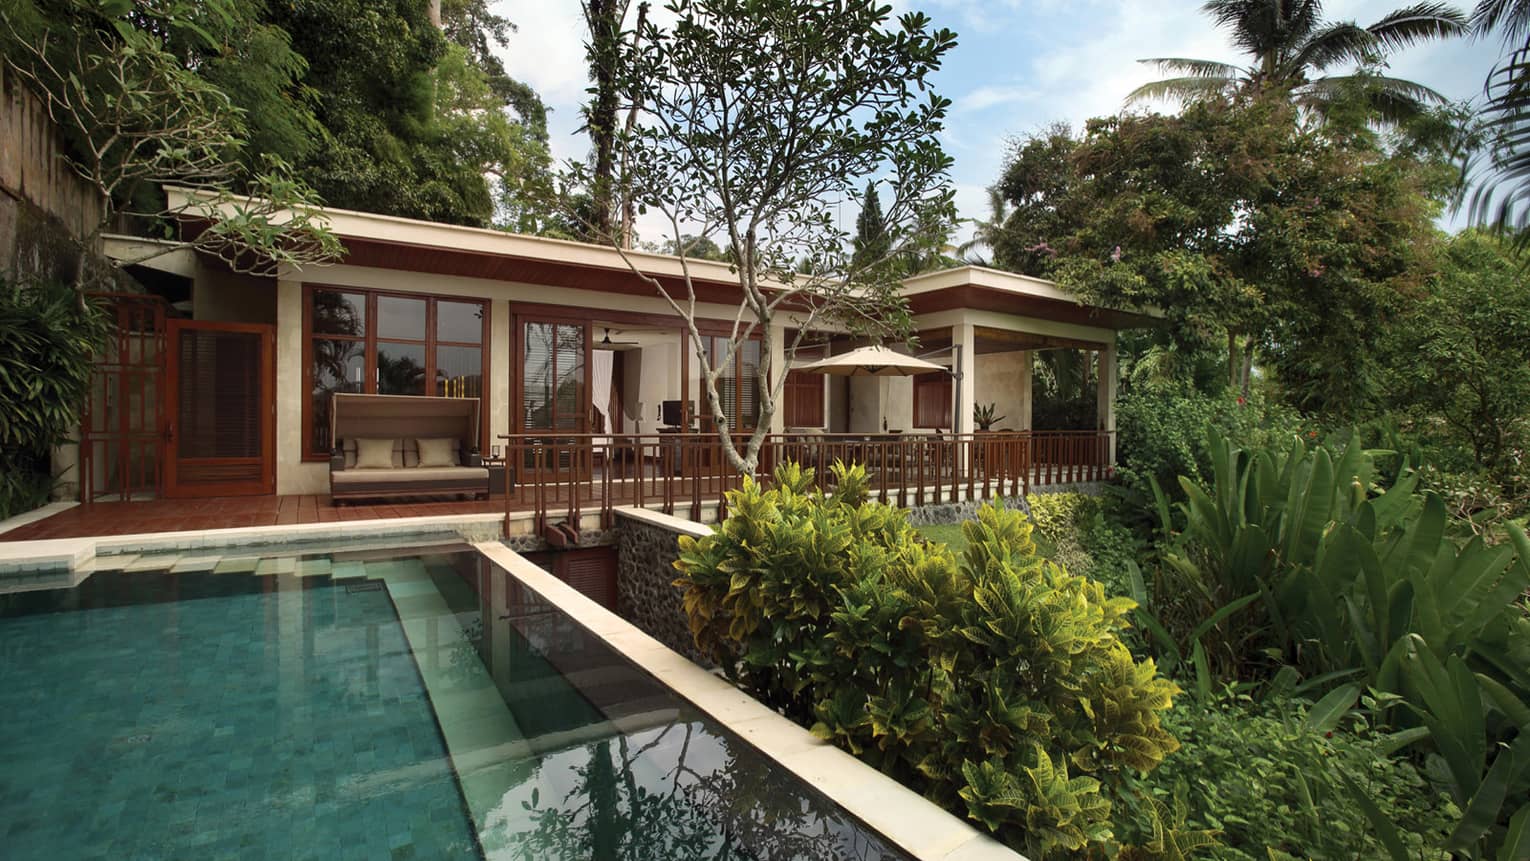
(390, 242)
(982, 289)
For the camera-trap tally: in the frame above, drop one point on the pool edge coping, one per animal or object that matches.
(893, 811)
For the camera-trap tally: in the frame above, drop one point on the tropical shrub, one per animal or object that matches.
(997, 685)
(1294, 558)
(1161, 431)
(49, 336)
(1271, 783)
(1085, 540)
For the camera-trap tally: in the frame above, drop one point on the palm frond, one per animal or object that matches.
(1513, 16)
(1419, 23)
(1182, 89)
(1194, 68)
(1333, 44)
(1498, 175)
(1392, 101)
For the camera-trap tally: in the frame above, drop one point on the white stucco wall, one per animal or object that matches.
(1004, 380)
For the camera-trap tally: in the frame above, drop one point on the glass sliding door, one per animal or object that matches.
(555, 382)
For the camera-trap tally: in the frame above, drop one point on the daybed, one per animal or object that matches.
(399, 445)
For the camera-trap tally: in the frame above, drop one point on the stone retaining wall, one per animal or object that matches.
(646, 549)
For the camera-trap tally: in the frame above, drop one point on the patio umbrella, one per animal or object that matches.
(872, 362)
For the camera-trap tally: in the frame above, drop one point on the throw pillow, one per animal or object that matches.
(374, 454)
(437, 452)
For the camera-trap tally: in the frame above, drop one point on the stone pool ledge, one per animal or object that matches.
(63, 562)
(897, 813)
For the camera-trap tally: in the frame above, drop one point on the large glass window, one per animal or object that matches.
(738, 387)
(552, 382)
(383, 343)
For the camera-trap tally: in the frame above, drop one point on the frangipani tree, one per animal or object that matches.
(754, 120)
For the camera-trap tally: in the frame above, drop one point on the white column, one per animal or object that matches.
(1107, 393)
(1027, 404)
(499, 372)
(292, 475)
(964, 343)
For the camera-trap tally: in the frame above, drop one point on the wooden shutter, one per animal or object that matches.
(592, 573)
(804, 400)
(932, 400)
(219, 394)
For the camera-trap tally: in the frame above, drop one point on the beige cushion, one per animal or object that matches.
(417, 474)
(375, 453)
(437, 451)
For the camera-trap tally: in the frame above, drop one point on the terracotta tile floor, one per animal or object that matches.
(176, 515)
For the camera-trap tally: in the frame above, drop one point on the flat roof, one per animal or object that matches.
(393, 242)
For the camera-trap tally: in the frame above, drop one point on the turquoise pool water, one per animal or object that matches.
(356, 705)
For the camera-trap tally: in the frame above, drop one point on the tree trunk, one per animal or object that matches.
(629, 205)
(604, 18)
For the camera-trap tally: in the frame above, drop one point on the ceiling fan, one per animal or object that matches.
(607, 344)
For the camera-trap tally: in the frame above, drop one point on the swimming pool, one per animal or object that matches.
(366, 704)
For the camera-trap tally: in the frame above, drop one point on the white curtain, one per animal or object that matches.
(600, 392)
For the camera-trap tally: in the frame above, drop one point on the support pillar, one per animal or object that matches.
(1027, 402)
(778, 370)
(964, 359)
(1106, 410)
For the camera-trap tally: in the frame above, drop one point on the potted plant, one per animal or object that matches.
(983, 416)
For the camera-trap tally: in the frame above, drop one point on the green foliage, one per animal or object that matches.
(1272, 788)
(1340, 579)
(1084, 540)
(1292, 49)
(1250, 224)
(1162, 431)
(137, 118)
(1459, 359)
(415, 119)
(997, 685)
(48, 342)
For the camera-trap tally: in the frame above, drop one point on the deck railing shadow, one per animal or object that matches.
(563, 476)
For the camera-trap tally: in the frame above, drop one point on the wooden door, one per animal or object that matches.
(220, 409)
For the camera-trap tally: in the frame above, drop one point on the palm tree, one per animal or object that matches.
(1293, 48)
(985, 233)
(1500, 174)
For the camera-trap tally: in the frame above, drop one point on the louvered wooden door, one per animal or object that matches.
(220, 399)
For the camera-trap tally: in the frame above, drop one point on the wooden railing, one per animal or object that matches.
(561, 476)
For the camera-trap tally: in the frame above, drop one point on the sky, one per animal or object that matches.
(1019, 66)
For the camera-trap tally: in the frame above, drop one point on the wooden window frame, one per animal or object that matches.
(369, 341)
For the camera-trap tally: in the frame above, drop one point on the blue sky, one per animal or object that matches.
(1019, 66)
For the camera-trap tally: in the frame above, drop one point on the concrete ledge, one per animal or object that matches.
(22, 561)
(677, 525)
(897, 813)
(36, 514)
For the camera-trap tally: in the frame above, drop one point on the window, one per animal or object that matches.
(932, 400)
(389, 344)
(803, 395)
(738, 387)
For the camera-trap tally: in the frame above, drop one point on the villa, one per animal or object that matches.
(219, 384)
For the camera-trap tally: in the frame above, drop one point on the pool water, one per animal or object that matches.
(366, 705)
(206, 715)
